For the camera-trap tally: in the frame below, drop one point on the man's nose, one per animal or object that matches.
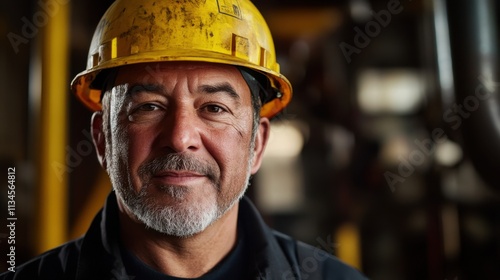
(180, 130)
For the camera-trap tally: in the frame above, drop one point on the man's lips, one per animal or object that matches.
(177, 177)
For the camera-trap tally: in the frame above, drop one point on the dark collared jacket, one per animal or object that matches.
(97, 254)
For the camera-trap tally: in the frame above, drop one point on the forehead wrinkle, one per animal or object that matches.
(153, 88)
(223, 87)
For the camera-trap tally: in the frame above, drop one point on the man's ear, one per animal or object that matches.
(98, 137)
(260, 143)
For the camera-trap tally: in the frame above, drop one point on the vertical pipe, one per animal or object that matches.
(52, 189)
(443, 53)
(473, 34)
(349, 249)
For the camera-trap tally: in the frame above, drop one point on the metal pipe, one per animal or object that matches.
(52, 188)
(476, 113)
(443, 53)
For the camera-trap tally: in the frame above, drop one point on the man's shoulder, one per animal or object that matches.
(57, 263)
(315, 263)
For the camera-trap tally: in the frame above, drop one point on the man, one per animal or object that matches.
(183, 93)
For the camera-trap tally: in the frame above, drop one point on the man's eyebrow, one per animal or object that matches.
(136, 88)
(222, 87)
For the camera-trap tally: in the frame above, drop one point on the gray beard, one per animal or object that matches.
(177, 220)
(182, 218)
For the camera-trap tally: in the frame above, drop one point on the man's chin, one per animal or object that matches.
(172, 215)
(182, 220)
(175, 210)
(175, 193)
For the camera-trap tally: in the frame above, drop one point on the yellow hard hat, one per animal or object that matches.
(220, 31)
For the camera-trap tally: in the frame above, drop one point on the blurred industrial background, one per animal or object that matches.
(388, 156)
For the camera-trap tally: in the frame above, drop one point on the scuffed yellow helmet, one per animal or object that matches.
(220, 31)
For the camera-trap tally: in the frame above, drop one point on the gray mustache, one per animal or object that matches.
(177, 162)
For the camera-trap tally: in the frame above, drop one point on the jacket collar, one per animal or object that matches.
(274, 259)
(100, 251)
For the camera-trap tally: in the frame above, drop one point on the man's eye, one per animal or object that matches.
(214, 109)
(145, 112)
(148, 107)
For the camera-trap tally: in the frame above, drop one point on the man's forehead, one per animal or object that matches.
(162, 77)
(158, 68)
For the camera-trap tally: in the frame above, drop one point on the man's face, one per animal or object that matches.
(177, 141)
